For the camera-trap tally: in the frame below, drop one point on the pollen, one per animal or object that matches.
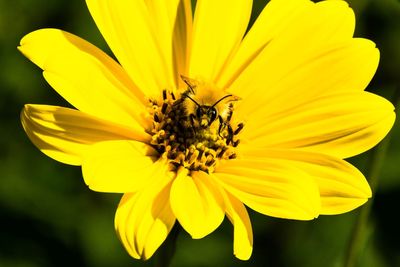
(187, 143)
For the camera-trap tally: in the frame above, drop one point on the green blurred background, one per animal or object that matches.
(48, 217)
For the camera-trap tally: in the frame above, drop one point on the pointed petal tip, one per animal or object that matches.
(25, 39)
(336, 206)
(34, 42)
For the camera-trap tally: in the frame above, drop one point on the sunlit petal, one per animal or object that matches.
(141, 40)
(271, 188)
(65, 134)
(214, 39)
(342, 125)
(144, 219)
(276, 17)
(242, 232)
(342, 187)
(119, 166)
(306, 29)
(182, 39)
(347, 67)
(85, 76)
(196, 205)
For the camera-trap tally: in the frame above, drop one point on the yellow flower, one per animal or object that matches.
(163, 125)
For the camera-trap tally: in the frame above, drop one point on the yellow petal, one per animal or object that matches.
(182, 39)
(119, 166)
(342, 187)
(275, 18)
(338, 205)
(140, 35)
(173, 19)
(85, 76)
(271, 188)
(242, 231)
(342, 125)
(218, 28)
(196, 204)
(289, 32)
(144, 219)
(281, 85)
(314, 54)
(65, 134)
(123, 225)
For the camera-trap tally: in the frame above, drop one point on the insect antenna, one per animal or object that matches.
(186, 95)
(188, 83)
(222, 98)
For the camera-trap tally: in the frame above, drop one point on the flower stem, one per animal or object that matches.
(165, 253)
(358, 237)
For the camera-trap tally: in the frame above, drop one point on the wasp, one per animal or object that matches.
(204, 104)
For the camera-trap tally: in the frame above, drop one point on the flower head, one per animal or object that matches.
(199, 118)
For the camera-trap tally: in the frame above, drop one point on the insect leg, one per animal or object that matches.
(236, 143)
(221, 125)
(229, 117)
(230, 135)
(192, 118)
(239, 128)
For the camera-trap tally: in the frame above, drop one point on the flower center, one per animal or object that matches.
(187, 139)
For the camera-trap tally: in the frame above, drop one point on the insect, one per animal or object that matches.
(204, 105)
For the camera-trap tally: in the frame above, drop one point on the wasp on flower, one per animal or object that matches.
(186, 130)
(212, 105)
(268, 126)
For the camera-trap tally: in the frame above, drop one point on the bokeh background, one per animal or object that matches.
(48, 217)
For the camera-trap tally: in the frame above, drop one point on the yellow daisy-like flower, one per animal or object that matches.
(200, 118)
